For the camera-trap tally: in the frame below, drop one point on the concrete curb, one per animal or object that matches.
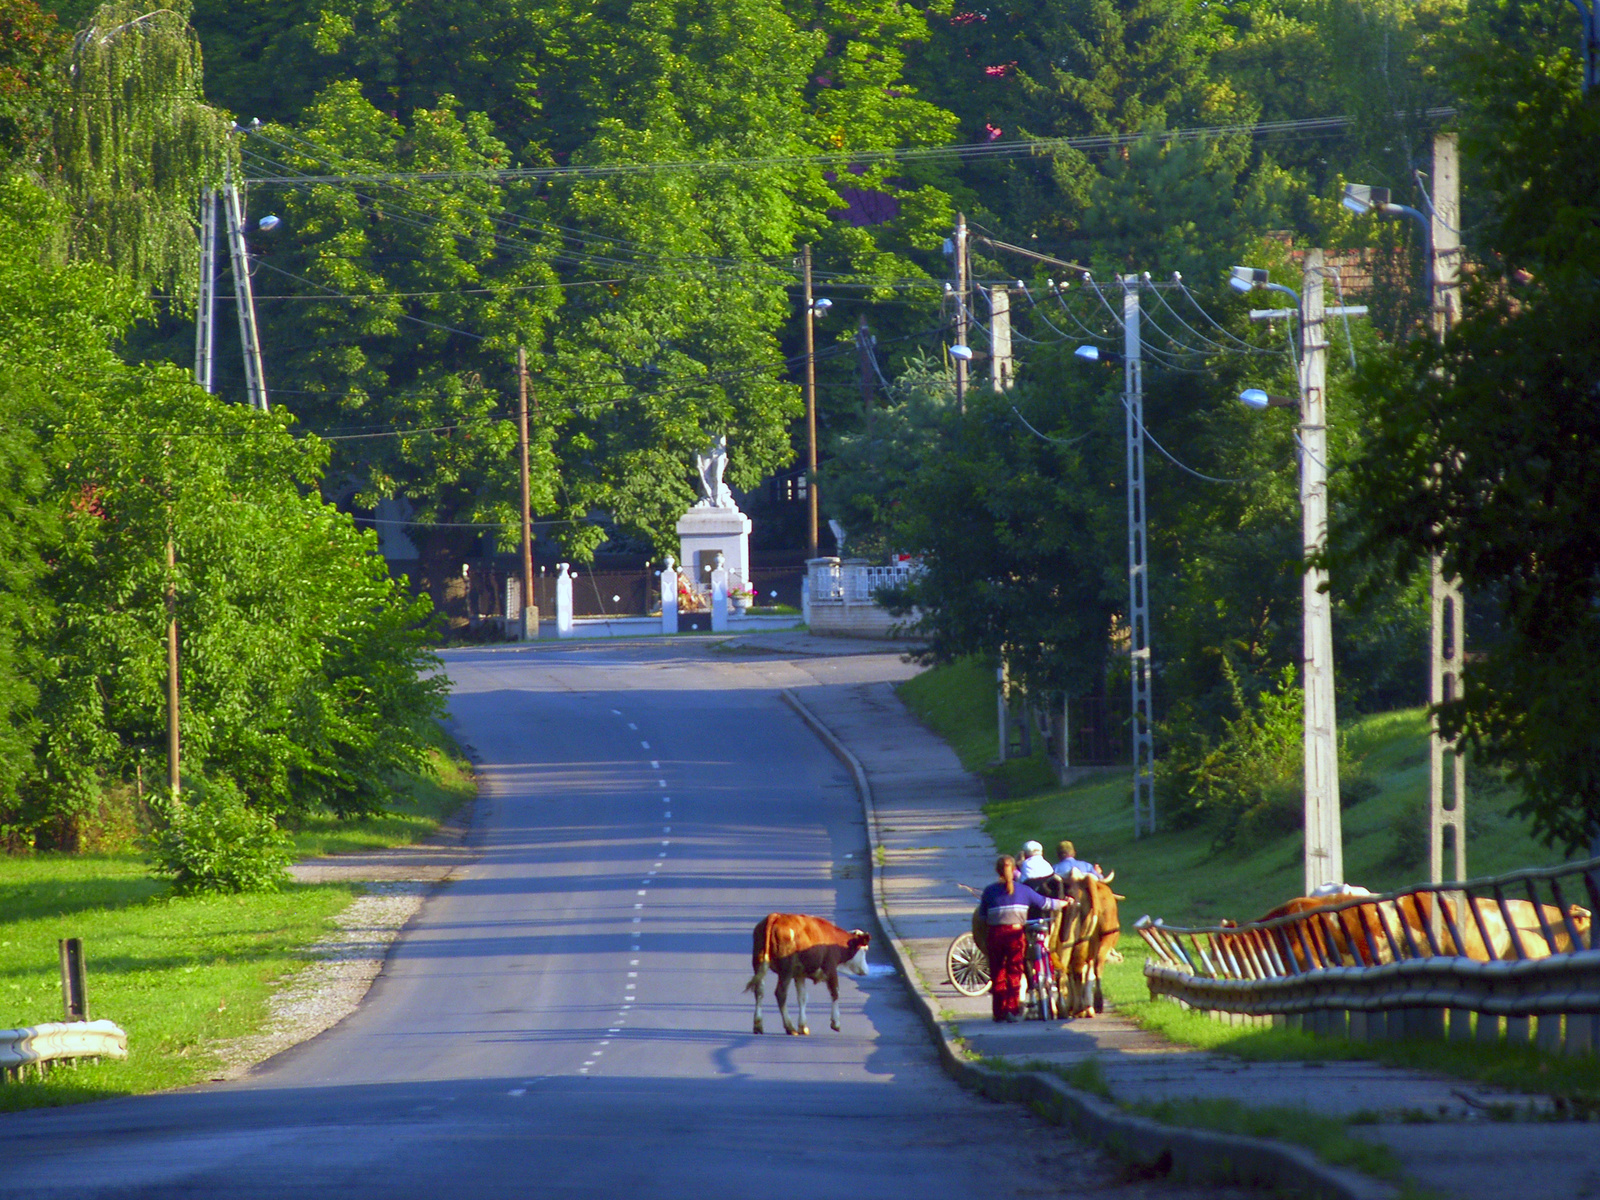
(1197, 1154)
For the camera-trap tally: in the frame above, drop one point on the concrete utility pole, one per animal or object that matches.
(530, 609)
(1591, 44)
(1446, 771)
(864, 343)
(172, 667)
(205, 353)
(1144, 792)
(961, 309)
(811, 406)
(255, 379)
(1324, 834)
(1000, 364)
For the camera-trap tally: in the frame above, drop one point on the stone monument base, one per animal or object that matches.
(703, 532)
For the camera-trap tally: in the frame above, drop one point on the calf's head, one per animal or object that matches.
(855, 960)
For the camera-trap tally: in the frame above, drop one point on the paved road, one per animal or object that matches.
(566, 1018)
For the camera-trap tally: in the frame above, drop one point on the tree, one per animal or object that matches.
(303, 665)
(135, 143)
(29, 46)
(1482, 449)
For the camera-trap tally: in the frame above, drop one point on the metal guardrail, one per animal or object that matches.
(1468, 955)
(38, 1046)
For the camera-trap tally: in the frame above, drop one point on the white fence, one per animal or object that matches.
(851, 581)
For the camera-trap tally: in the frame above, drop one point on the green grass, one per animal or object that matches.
(1329, 1138)
(179, 974)
(1179, 876)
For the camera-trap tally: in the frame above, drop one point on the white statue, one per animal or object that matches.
(713, 492)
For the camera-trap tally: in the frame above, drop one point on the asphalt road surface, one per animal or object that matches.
(567, 1019)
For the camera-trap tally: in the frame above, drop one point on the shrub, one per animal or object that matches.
(215, 842)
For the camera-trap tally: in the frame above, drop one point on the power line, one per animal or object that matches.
(933, 154)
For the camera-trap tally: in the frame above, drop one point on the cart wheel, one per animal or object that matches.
(968, 966)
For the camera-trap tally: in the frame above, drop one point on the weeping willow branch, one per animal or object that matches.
(135, 143)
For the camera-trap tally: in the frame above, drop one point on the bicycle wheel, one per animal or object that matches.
(968, 966)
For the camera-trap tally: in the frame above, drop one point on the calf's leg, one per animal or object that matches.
(800, 992)
(781, 991)
(755, 986)
(833, 990)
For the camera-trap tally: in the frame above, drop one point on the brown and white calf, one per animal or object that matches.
(801, 948)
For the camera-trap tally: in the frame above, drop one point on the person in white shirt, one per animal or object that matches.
(1033, 864)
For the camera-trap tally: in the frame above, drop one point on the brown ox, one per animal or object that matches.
(802, 948)
(1360, 935)
(1089, 931)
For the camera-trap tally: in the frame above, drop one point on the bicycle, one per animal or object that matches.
(1043, 985)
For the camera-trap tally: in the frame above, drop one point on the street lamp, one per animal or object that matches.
(1258, 399)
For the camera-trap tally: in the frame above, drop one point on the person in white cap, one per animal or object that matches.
(1034, 865)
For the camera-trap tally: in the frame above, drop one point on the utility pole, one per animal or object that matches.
(254, 377)
(1324, 862)
(205, 355)
(1591, 44)
(961, 309)
(172, 667)
(864, 362)
(811, 406)
(530, 609)
(1000, 364)
(1446, 770)
(1144, 793)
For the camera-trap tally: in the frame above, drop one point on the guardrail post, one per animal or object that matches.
(1488, 1031)
(1548, 1037)
(74, 980)
(1460, 1025)
(1581, 1033)
(1428, 1023)
(1517, 1031)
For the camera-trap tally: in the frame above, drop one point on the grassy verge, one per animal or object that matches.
(1328, 1138)
(179, 974)
(1180, 876)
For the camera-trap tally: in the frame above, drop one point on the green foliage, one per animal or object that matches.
(215, 842)
(1480, 450)
(302, 673)
(30, 42)
(135, 143)
(1250, 784)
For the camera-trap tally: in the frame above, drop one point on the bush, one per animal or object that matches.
(215, 842)
(1249, 785)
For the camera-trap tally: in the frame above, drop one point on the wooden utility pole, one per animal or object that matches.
(530, 610)
(811, 406)
(1446, 770)
(172, 667)
(961, 309)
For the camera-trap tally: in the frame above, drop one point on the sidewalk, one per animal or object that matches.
(929, 813)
